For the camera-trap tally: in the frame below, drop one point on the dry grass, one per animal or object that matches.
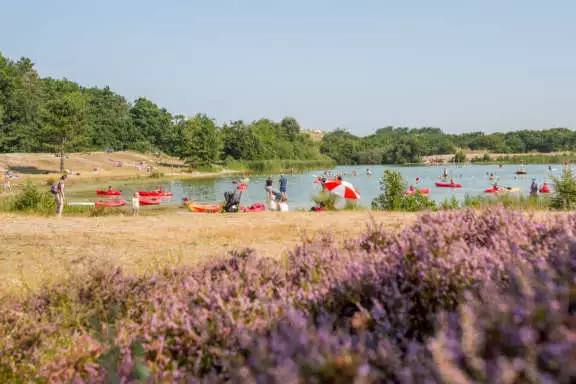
(35, 250)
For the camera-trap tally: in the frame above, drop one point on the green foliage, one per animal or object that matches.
(392, 187)
(201, 141)
(275, 166)
(38, 115)
(416, 202)
(156, 175)
(509, 201)
(449, 204)
(326, 199)
(392, 145)
(30, 199)
(393, 197)
(459, 157)
(564, 196)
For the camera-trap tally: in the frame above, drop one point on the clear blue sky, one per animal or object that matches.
(459, 65)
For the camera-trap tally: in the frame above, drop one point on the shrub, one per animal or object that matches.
(327, 199)
(392, 187)
(448, 204)
(459, 157)
(156, 175)
(460, 296)
(393, 197)
(30, 199)
(564, 196)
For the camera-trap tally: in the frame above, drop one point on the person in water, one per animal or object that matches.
(445, 173)
(491, 176)
(533, 188)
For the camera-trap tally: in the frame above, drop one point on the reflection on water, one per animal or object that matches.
(301, 187)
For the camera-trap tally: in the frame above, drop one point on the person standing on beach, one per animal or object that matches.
(136, 204)
(59, 195)
(283, 185)
(7, 185)
(268, 188)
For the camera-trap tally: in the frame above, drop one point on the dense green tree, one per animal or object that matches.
(201, 141)
(340, 145)
(65, 124)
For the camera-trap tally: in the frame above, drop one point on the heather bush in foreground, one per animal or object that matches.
(459, 296)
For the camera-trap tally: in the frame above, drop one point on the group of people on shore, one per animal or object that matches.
(277, 199)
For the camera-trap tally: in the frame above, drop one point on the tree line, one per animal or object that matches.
(397, 145)
(52, 115)
(58, 115)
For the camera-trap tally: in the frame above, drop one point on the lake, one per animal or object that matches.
(301, 187)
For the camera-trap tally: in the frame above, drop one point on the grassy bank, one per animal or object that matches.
(277, 166)
(557, 158)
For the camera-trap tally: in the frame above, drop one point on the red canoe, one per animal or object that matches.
(108, 193)
(154, 194)
(111, 203)
(448, 185)
(423, 191)
(149, 201)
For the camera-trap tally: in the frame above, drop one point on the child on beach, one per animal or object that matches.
(283, 205)
(135, 204)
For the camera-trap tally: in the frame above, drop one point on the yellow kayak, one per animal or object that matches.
(502, 190)
(208, 208)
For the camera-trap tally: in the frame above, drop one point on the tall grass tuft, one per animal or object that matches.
(276, 166)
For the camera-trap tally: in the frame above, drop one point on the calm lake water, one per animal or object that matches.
(301, 186)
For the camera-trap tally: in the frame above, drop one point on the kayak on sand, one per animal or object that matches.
(149, 201)
(112, 203)
(206, 208)
(448, 185)
(108, 193)
(423, 191)
(258, 207)
(154, 194)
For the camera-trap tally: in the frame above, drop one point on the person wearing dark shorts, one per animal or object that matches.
(283, 185)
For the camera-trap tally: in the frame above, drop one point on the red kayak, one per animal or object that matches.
(150, 201)
(258, 207)
(155, 194)
(111, 203)
(448, 185)
(108, 193)
(423, 191)
(491, 190)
